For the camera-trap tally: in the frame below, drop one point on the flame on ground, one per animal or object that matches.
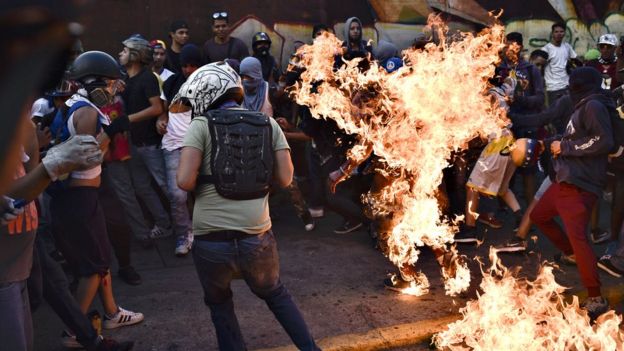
(412, 119)
(516, 314)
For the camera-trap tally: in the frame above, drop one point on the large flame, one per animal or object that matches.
(516, 314)
(413, 119)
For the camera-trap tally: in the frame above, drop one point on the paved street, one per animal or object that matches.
(335, 279)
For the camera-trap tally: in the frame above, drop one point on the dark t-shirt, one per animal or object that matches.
(608, 72)
(139, 89)
(172, 62)
(234, 49)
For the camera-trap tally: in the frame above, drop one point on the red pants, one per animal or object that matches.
(574, 206)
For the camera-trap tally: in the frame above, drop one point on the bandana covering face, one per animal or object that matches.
(255, 88)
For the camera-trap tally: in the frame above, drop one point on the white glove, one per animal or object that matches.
(79, 152)
(8, 212)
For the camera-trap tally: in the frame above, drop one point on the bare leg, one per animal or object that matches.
(511, 201)
(87, 288)
(472, 204)
(106, 295)
(525, 224)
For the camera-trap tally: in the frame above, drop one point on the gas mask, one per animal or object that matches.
(262, 49)
(102, 92)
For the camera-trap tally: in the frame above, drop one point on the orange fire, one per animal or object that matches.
(516, 314)
(413, 119)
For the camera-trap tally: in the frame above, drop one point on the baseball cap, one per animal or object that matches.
(609, 39)
(392, 64)
(178, 24)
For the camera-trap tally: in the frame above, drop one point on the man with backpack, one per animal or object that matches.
(232, 227)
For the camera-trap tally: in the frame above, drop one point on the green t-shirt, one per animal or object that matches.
(213, 212)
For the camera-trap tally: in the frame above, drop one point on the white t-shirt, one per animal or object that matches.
(555, 74)
(177, 126)
(165, 74)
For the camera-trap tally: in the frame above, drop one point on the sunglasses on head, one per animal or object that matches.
(219, 15)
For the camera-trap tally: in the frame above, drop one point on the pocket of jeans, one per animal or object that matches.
(259, 246)
(214, 252)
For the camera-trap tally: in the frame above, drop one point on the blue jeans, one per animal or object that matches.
(177, 196)
(16, 333)
(258, 262)
(147, 162)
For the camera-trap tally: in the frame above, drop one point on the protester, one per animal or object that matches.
(232, 214)
(607, 62)
(143, 105)
(255, 87)
(580, 164)
(223, 45)
(160, 56)
(559, 53)
(77, 217)
(179, 35)
(174, 127)
(261, 46)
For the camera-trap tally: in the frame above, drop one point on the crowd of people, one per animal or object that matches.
(176, 139)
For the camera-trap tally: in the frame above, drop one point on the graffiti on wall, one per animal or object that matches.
(580, 35)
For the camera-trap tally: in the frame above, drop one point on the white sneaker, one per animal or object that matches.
(68, 340)
(184, 245)
(158, 232)
(309, 227)
(122, 318)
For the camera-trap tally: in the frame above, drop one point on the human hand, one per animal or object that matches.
(8, 211)
(79, 152)
(161, 126)
(555, 148)
(44, 137)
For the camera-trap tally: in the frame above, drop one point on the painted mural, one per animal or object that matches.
(397, 21)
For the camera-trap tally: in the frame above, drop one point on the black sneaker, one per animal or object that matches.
(308, 222)
(348, 227)
(466, 235)
(595, 306)
(516, 244)
(396, 283)
(605, 264)
(129, 275)
(599, 236)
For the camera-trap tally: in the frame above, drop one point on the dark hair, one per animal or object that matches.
(540, 53)
(557, 25)
(515, 37)
(317, 27)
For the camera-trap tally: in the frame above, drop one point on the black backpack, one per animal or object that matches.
(241, 155)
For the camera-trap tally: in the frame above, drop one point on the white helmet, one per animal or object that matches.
(208, 84)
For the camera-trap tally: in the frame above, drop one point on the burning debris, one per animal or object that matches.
(411, 120)
(517, 314)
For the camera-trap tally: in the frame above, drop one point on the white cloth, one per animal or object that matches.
(40, 108)
(555, 74)
(104, 120)
(165, 74)
(176, 130)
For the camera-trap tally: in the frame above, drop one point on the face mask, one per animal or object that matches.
(102, 96)
(249, 86)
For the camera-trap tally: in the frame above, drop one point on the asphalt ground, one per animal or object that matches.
(336, 280)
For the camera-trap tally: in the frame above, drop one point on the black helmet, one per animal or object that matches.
(260, 37)
(140, 48)
(94, 64)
